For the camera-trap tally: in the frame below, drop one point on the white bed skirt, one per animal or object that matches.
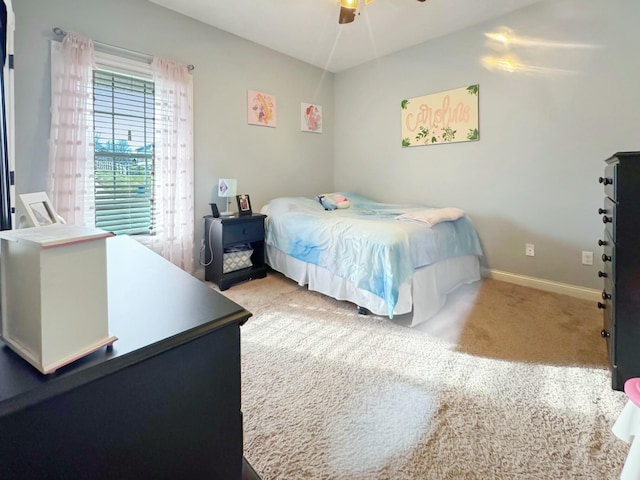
(424, 294)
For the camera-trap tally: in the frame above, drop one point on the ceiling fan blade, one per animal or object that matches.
(347, 15)
(347, 11)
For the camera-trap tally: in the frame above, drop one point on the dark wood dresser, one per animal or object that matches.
(164, 402)
(621, 265)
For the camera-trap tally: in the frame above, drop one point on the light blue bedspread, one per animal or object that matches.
(365, 243)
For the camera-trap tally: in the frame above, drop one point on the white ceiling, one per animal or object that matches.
(309, 31)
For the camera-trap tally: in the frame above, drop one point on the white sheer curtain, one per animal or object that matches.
(70, 179)
(173, 175)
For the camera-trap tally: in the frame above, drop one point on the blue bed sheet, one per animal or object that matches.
(365, 243)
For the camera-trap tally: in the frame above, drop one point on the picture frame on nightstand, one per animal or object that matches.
(244, 204)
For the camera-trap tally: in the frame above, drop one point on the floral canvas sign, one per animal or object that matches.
(311, 117)
(445, 117)
(261, 109)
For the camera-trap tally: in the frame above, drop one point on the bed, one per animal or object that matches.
(385, 258)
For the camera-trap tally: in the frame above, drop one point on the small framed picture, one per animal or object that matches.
(244, 204)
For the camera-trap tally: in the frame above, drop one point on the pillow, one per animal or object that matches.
(432, 216)
(341, 201)
(326, 202)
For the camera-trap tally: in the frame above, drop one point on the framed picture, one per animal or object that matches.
(311, 118)
(261, 109)
(244, 204)
(35, 210)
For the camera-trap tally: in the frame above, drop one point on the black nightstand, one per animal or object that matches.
(221, 235)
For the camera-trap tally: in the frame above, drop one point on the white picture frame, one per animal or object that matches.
(36, 210)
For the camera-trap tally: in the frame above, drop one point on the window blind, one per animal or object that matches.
(123, 152)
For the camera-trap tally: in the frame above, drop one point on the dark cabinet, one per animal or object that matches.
(163, 402)
(620, 303)
(234, 249)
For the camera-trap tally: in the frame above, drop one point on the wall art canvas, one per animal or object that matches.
(261, 109)
(444, 117)
(311, 117)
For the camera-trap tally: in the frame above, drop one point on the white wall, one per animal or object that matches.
(533, 176)
(267, 162)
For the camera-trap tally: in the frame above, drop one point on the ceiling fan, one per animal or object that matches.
(348, 10)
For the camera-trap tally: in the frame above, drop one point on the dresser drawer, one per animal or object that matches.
(608, 293)
(609, 257)
(608, 303)
(609, 217)
(609, 330)
(610, 180)
(238, 232)
(608, 270)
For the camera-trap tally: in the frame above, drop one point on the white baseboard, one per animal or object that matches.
(546, 285)
(199, 273)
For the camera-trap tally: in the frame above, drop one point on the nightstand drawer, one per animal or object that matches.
(239, 232)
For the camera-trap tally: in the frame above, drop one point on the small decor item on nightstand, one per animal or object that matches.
(227, 189)
(244, 204)
(214, 210)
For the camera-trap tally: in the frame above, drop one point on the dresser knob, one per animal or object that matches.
(601, 211)
(602, 306)
(605, 181)
(604, 334)
(602, 243)
(606, 296)
(602, 274)
(606, 258)
(606, 219)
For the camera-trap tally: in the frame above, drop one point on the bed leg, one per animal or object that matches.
(362, 310)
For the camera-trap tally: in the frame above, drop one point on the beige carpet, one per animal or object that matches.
(505, 383)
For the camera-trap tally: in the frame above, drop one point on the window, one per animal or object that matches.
(121, 145)
(123, 123)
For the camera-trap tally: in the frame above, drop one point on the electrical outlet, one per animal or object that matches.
(529, 250)
(587, 258)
